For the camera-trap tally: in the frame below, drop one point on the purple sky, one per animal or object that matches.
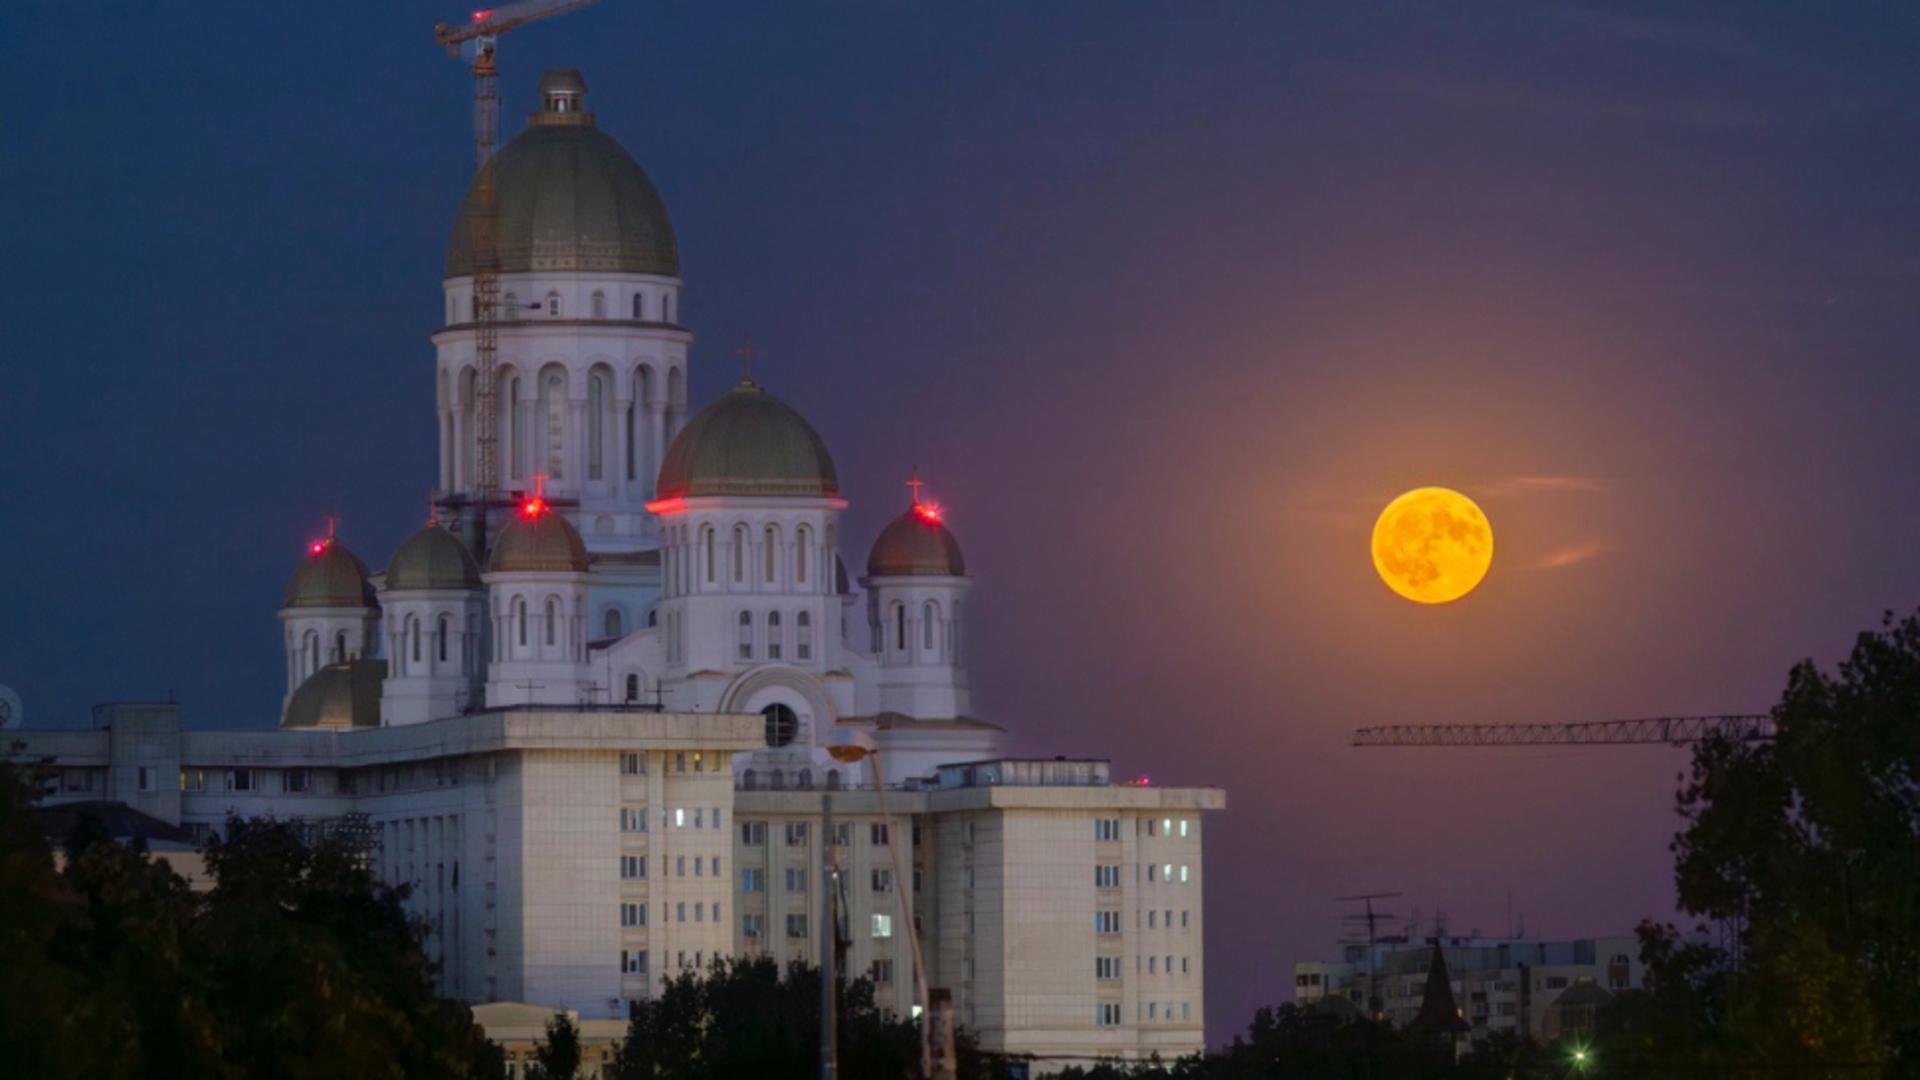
(1165, 299)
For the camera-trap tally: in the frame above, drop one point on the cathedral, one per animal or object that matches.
(599, 712)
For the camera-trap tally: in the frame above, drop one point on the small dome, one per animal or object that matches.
(330, 576)
(916, 544)
(538, 538)
(747, 443)
(432, 558)
(568, 197)
(338, 697)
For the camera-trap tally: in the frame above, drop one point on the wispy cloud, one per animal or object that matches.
(1571, 555)
(1481, 94)
(1542, 485)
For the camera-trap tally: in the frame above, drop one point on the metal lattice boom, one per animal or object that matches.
(1669, 730)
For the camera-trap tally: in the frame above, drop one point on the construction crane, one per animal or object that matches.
(483, 31)
(1667, 730)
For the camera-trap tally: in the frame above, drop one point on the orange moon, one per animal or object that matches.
(1432, 545)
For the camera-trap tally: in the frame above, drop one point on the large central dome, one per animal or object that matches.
(568, 197)
(747, 443)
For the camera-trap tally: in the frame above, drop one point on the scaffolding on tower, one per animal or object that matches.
(482, 33)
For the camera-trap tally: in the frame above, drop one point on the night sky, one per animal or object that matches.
(1166, 300)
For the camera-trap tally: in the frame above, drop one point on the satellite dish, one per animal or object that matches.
(10, 709)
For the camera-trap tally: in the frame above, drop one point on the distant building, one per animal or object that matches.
(1533, 988)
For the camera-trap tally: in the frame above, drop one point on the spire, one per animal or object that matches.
(1439, 1015)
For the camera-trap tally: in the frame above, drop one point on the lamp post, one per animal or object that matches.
(850, 747)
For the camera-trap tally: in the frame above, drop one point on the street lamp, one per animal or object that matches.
(849, 746)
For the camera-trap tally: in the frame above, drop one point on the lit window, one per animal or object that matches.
(1183, 874)
(1183, 826)
(883, 926)
(679, 817)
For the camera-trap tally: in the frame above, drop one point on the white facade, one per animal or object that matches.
(598, 770)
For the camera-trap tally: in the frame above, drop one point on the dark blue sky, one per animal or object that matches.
(1166, 299)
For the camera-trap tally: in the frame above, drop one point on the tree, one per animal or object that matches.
(745, 1017)
(1808, 846)
(558, 1057)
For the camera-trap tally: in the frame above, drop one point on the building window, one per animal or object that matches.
(1183, 919)
(633, 961)
(739, 553)
(1107, 1014)
(929, 617)
(632, 915)
(553, 619)
(753, 879)
(553, 305)
(239, 779)
(803, 645)
(633, 867)
(599, 305)
(639, 306)
(193, 779)
(666, 307)
(1106, 828)
(746, 635)
(883, 926)
(633, 819)
(612, 624)
(443, 630)
(680, 911)
(900, 627)
(773, 635)
(630, 764)
(881, 971)
(633, 688)
(753, 833)
(296, 780)
(413, 638)
(796, 833)
(520, 618)
(796, 879)
(801, 536)
(882, 880)
(842, 834)
(878, 834)
(1106, 968)
(339, 646)
(146, 780)
(1106, 877)
(796, 926)
(1106, 922)
(782, 725)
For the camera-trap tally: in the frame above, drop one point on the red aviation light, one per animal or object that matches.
(533, 508)
(931, 513)
(482, 16)
(316, 547)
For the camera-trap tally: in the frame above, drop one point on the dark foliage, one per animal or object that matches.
(296, 964)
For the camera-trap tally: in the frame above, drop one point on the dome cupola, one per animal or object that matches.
(747, 443)
(432, 558)
(329, 577)
(916, 544)
(338, 697)
(538, 539)
(567, 196)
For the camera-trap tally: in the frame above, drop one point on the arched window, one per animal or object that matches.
(929, 617)
(773, 547)
(746, 635)
(599, 305)
(553, 305)
(639, 306)
(833, 779)
(801, 553)
(777, 779)
(773, 635)
(666, 307)
(707, 536)
(653, 618)
(748, 778)
(613, 627)
(803, 645)
(783, 724)
(553, 392)
(739, 553)
(553, 617)
(413, 639)
(339, 646)
(633, 688)
(900, 627)
(596, 423)
(313, 652)
(804, 780)
(516, 434)
(520, 617)
(442, 630)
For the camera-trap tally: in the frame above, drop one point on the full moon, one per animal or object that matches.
(1432, 545)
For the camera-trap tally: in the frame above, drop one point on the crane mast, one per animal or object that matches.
(484, 31)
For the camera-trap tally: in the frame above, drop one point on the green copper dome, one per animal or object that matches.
(916, 544)
(338, 697)
(568, 197)
(540, 540)
(432, 558)
(330, 576)
(747, 443)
